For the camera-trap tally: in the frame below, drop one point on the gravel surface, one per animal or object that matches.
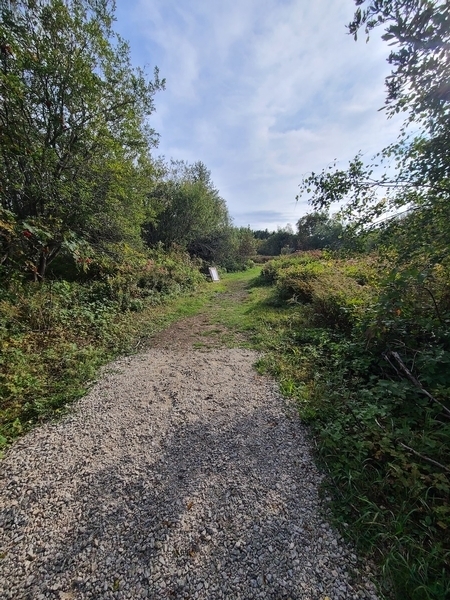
(182, 474)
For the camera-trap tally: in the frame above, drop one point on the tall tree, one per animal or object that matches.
(190, 207)
(419, 84)
(73, 119)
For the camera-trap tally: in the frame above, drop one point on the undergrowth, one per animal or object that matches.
(363, 351)
(54, 336)
(365, 354)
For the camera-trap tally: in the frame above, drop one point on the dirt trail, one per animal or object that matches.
(202, 331)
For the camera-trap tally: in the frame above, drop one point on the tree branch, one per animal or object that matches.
(423, 457)
(415, 381)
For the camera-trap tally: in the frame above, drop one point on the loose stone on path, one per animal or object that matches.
(182, 474)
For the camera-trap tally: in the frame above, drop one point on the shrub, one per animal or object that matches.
(54, 335)
(330, 286)
(295, 282)
(367, 359)
(337, 304)
(273, 268)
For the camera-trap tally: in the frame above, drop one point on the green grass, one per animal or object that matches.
(245, 307)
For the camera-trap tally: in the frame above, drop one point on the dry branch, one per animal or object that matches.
(415, 381)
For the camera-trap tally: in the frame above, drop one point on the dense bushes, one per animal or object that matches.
(54, 335)
(376, 384)
(366, 354)
(335, 289)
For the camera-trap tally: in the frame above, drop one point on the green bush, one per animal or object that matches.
(367, 355)
(54, 335)
(331, 286)
(338, 302)
(273, 268)
(295, 282)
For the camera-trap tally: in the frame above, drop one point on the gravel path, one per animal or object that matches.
(182, 474)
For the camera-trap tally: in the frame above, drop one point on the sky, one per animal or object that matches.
(262, 92)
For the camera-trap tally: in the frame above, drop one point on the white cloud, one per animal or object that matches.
(261, 91)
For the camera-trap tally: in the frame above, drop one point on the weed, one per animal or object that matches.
(54, 336)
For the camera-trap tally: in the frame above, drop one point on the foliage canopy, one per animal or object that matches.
(73, 131)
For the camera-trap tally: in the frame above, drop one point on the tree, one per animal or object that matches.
(419, 84)
(262, 234)
(73, 122)
(420, 80)
(189, 208)
(417, 169)
(282, 240)
(229, 247)
(246, 246)
(317, 231)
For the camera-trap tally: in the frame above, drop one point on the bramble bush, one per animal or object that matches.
(367, 356)
(54, 335)
(335, 289)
